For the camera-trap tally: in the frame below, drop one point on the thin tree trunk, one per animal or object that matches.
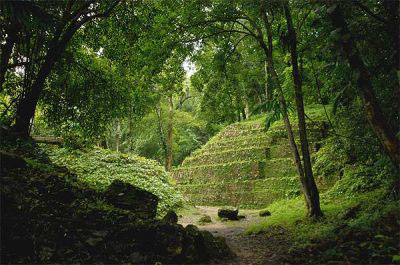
(130, 128)
(168, 158)
(246, 110)
(107, 143)
(163, 141)
(374, 113)
(296, 156)
(268, 94)
(117, 136)
(310, 187)
(281, 98)
(289, 130)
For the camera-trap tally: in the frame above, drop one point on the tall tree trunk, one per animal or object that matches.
(310, 187)
(163, 141)
(168, 158)
(374, 114)
(296, 156)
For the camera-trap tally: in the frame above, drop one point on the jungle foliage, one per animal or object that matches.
(112, 79)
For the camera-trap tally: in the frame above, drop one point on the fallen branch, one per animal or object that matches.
(48, 139)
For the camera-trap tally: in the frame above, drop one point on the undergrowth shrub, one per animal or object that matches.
(98, 167)
(360, 178)
(330, 160)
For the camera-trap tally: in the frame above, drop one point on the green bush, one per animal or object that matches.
(99, 167)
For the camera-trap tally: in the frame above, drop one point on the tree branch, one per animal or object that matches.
(369, 12)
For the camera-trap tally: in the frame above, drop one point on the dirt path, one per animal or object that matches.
(249, 249)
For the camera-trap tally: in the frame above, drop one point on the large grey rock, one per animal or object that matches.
(126, 196)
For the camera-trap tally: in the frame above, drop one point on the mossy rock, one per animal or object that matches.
(126, 196)
(205, 219)
(206, 245)
(171, 217)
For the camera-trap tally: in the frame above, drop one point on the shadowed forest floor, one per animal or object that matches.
(249, 249)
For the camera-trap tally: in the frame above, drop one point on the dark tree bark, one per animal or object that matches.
(374, 113)
(308, 183)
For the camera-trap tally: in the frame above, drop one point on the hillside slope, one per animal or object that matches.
(246, 165)
(99, 167)
(49, 215)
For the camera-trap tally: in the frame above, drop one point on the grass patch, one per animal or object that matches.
(361, 229)
(188, 210)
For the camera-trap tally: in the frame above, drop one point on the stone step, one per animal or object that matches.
(240, 142)
(226, 156)
(206, 173)
(263, 152)
(266, 138)
(245, 126)
(252, 192)
(235, 170)
(228, 133)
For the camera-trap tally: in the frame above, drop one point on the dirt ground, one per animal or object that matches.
(249, 249)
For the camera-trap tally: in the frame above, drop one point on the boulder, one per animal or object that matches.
(229, 213)
(203, 246)
(125, 196)
(216, 246)
(170, 217)
(263, 213)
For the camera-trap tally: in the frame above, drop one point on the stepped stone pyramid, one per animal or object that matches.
(244, 165)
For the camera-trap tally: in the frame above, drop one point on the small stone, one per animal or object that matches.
(229, 213)
(205, 219)
(264, 213)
